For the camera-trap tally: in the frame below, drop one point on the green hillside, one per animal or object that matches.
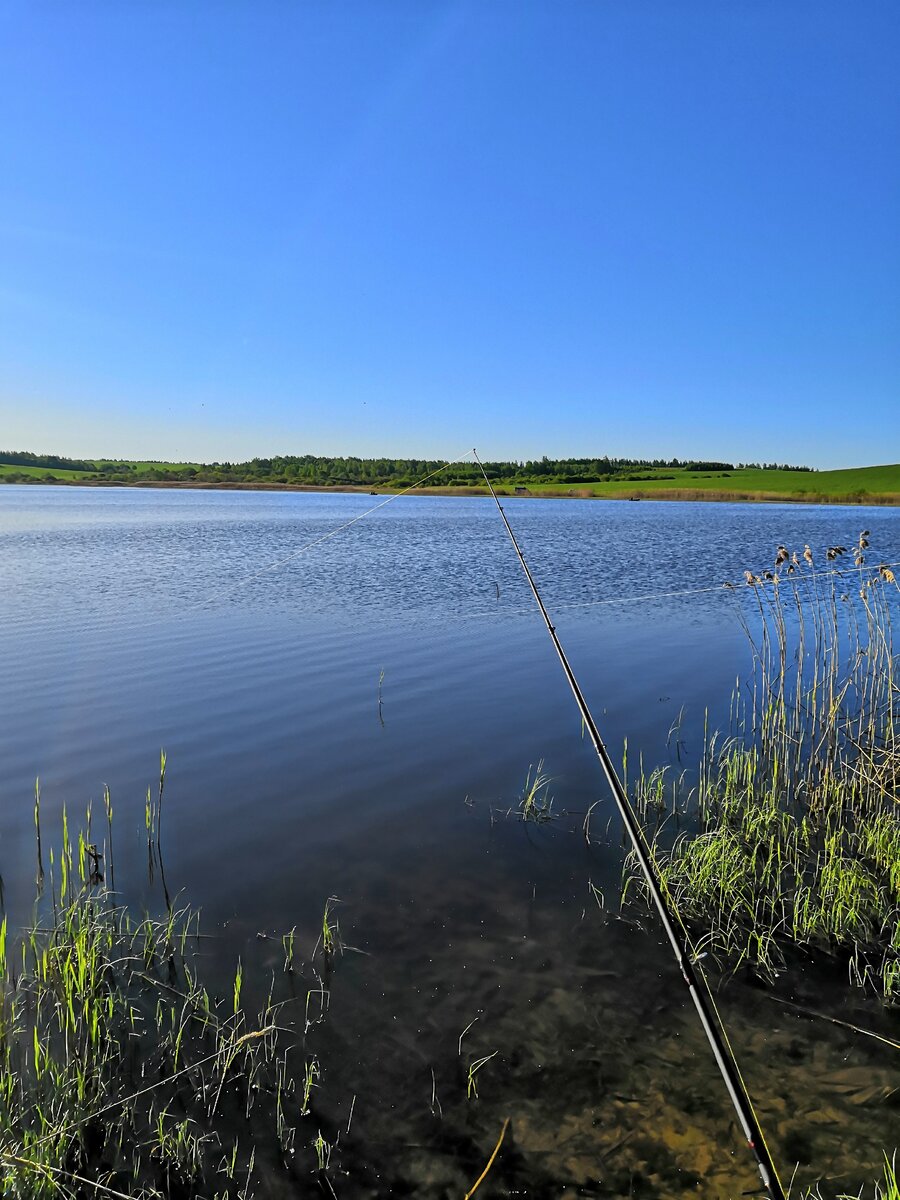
(89, 471)
(855, 484)
(603, 477)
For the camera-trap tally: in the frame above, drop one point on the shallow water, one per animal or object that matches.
(134, 619)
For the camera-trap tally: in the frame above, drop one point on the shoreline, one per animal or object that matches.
(690, 495)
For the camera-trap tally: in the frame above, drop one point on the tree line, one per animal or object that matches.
(317, 470)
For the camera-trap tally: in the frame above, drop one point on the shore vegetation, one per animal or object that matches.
(600, 477)
(121, 1074)
(789, 842)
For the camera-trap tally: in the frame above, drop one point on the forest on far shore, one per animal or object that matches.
(19, 466)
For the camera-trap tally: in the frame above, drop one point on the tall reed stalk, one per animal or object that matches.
(791, 836)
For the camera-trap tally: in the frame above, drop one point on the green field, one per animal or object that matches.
(61, 473)
(41, 473)
(856, 485)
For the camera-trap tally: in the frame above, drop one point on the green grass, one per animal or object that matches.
(42, 473)
(858, 483)
(791, 837)
(119, 1075)
(535, 803)
(886, 1188)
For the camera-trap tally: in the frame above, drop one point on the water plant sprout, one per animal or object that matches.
(118, 1073)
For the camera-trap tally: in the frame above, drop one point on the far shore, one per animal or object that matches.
(708, 495)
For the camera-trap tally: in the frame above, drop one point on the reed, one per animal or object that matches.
(119, 1075)
(329, 941)
(536, 804)
(474, 1067)
(791, 836)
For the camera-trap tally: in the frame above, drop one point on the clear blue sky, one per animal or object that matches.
(616, 226)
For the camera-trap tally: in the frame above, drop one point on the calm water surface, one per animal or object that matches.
(137, 619)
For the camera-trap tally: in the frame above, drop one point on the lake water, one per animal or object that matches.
(356, 720)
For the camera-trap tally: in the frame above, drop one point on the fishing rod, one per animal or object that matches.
(679, 941)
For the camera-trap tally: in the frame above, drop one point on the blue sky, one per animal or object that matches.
(617, 226)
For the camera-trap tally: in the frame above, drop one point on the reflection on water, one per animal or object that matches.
(131, 620)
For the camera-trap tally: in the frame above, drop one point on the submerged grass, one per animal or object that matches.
(119, 1075)
(791, 837)
(536, 804)
(886, 1188)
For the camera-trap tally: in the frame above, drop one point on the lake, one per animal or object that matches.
(358, 719)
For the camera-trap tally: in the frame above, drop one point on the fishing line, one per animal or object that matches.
(324, 537)
(678, 939)
(722, 589)
(230, 589)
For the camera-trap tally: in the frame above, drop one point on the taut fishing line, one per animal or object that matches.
(324, 537)
(719, 589)
(229, 589)
(678, 937)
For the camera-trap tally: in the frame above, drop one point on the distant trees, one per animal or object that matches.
(320, 471)
(755, 466)
(24, 458)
